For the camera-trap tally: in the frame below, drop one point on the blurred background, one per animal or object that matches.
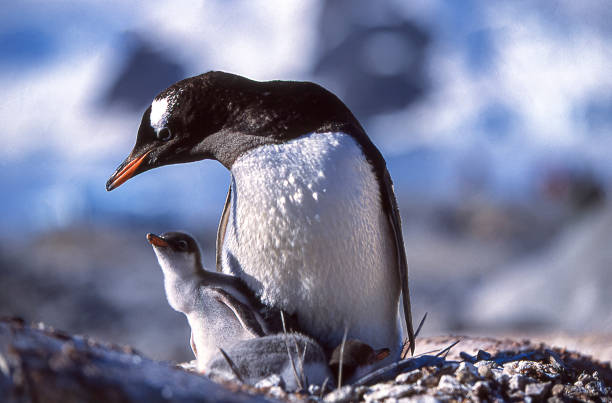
(495, 119)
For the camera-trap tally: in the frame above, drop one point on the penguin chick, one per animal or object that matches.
(256, 359)
(220, 309)
(358, 359)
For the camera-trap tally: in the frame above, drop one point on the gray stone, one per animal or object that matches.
(517, 394)
(499, 376)
(558, 389)
(270, 381)
(390, 392)
(481, 390)
(409, 377)
(539, 390)
(517, 382)
(344, 394)
(575, 391)
(485, 372)
(448, 384)
(536, 369)
(428, 381)
(277, 392)
(419, 399)
(466, 372)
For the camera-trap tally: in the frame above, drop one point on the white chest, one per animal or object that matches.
(306, 231)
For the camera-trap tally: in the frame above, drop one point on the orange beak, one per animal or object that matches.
(381, 354)
(156, 241)
(125, 173)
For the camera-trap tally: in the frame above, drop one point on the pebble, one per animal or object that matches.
(481, 390)
(449, 384)
(485, 380)
(344, 394)
(466, 372)
(420, 399)
(391, 392)
(409, 377)
(271, 381)
(538, 390)
(485, 372)
(517, 382)
(557, 389)
(277, 392)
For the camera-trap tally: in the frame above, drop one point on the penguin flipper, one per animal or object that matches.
(222, 227)
(402, 264)
(244, 313)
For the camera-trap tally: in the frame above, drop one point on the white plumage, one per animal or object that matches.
(213, 323)
(307, 227)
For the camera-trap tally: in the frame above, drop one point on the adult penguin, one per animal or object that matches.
(310, 222)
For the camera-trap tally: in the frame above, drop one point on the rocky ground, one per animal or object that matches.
(500, 370)
(43, 365)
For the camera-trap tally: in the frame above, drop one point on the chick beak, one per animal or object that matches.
(156, 240)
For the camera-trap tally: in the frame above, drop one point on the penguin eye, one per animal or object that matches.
(164, 134)
(182, 245)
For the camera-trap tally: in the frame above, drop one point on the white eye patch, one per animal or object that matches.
(160, 110)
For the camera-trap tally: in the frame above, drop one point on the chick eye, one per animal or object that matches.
(164, 134)
(182, 245)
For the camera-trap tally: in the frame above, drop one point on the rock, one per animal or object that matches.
(537, 370)
(270, 381)
(538, 390)
(598, 383)
(485, 371)
(344, 394)
(466, 372)
(481, 390)
(43, 364)
(576, 392)
(428, 381)
(517, 382)
(391, 392)
(557, 389)
(277, 392)
(409, 377)
(420, 399)
(448, 384)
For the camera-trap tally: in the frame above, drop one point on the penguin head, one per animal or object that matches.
(178, 125)
(176, 252)
(220, 116)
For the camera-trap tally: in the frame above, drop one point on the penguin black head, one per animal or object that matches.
(219, 116)
(177, 250)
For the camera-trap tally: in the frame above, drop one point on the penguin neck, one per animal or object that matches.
(182, 290)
